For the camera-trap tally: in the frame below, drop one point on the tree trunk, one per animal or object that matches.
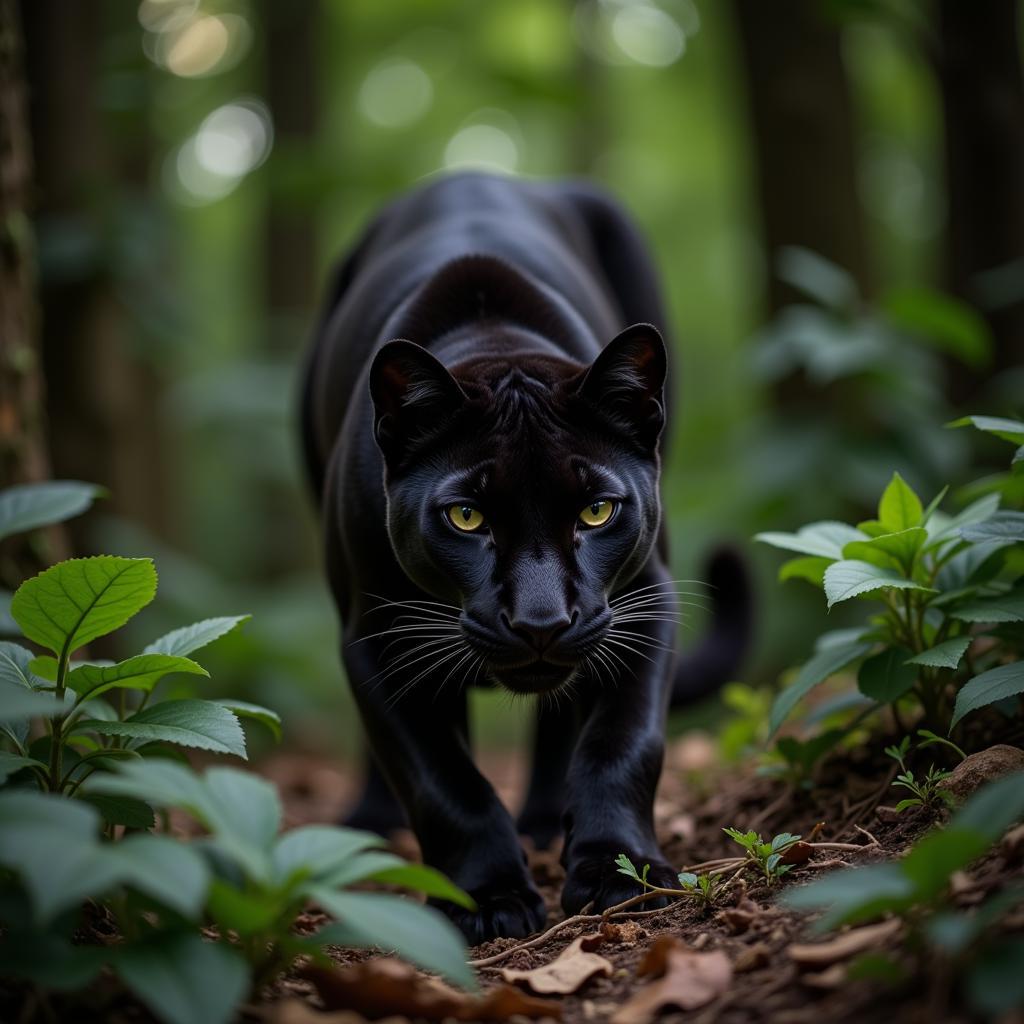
(102, 393)
(979, 70)
(803, 135)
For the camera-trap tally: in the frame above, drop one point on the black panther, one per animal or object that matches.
(482, 413)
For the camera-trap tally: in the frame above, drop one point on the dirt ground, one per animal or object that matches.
(767, 981)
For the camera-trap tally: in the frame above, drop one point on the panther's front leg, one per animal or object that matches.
(616, 765)
(416, 728)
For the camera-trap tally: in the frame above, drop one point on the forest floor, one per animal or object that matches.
(747, 960)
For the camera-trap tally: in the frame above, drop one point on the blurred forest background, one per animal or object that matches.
(834, 190)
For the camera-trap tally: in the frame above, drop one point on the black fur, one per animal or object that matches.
(517, 387)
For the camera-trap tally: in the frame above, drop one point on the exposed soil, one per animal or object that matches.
(695, 801)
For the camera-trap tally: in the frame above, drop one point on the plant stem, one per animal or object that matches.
(57, 724)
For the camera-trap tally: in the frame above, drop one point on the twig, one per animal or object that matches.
(865, 832)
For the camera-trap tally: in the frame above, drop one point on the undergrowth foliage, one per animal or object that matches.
(89, 768)
(945, 637)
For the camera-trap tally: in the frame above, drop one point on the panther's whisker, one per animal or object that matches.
(465, 657)
(405, 662)
(628, 647)
(639, 638)
(406, 687)
(430, 627)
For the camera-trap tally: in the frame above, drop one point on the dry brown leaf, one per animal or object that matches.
(842, 947)
(625, 933)
(568, 972)
(798, 853)
(384, 986)
(685, 980)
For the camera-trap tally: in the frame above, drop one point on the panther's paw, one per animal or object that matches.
(595, 879)
(502, 911)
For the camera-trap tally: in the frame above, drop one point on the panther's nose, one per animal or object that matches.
(540, 631)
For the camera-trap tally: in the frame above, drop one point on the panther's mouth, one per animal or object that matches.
(534, 677)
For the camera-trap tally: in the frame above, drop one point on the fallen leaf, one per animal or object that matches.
(568, 972)
(685, 980)
(842, 947)
(625, 933)
(383, 987)
(798, 853)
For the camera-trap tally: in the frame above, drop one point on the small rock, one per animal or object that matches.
(887, 815)
(986, 765)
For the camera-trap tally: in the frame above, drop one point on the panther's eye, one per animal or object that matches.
(597, 513)
(465, 518)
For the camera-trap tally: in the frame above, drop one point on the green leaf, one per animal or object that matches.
(318, 850)
(885, 677)
(418, 934)
(243, 709)
(826, 662)
(853, 895)
(248, 806)
(168, 870)
(899, 508)
(180, 642)
(11, 763)
(142, 672)
(1002, 526)
(934, 858)
(15, 670)
(824, 540)
(1008, 430)
(19, 705)
(849, 578)
(989, 687)
(49, 960)
(121, 810)
(30, 506)
(991, 810)
(944, 655)
(942, 528)
(187, 723)
(945, 322)
(809, 568)
(994, 984)
(889, 549)
(183, 979)
(820, 278)
(246, 912)
(687, 879)
(424, 879)
(1008, 607)
(75, 602)
(162, 783)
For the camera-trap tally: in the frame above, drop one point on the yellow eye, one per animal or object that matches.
(465, 518)
(597, 513)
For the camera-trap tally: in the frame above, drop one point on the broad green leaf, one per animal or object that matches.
(944, 655)
(245, 912)
(989, 687)
(18, 704)
(933, 506)
(885, 677)
(1008, 430)
(243, 709)
(899, 508)
(945, 322)
(248, 806)
(161, 783)
(809, 568)
(942, 528)
(427, 880)
(187, 723)
(184, 979)
(50, 961)
(994, 982)
(853, 895)
(8, 627)
(418, 934)
(934, 858)
(851, 578)
(1008, 607)
(1003, 526)
(168, 870)
(824, 663)
(318, 850)
(121, 810)
(818, 277)
(889, 549)
(824, 540)
(11, 763)
(15, 666)
(142, 672)
(30, 506)
(75, 602)
(184, 641)
(991, 810)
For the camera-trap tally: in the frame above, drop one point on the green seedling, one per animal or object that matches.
(705, 890)
(926, 792)
(766, 857)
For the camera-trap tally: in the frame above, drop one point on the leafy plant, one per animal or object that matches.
(245, 878)
(942, 582)
(927, 791)
(705, 889)
(768, 857)
(915, 887)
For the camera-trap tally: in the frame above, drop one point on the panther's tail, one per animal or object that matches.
(718, 656)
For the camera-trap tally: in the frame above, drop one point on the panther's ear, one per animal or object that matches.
(627, 380)
(413, 394)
